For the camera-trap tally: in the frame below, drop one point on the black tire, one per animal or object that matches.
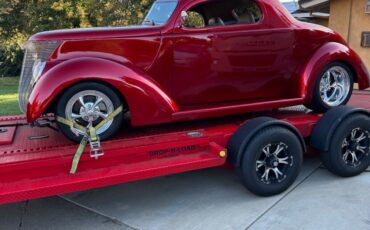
(334, 160)
(317, 104)
(249, 172)
(61, 104)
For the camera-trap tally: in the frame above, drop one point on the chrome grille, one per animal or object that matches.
(33, 51)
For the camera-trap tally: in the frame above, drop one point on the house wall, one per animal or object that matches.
(348, 18)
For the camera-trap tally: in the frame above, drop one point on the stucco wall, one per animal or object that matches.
(348, 18)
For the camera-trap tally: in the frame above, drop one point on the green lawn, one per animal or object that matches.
(9, 96)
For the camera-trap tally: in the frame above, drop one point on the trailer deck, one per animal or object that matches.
(35, 162)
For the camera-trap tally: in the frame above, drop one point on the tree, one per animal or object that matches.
(19, 19)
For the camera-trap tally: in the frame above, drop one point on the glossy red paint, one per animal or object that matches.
(142, 95)
(323, 56)
(31, 169)
(170, 73)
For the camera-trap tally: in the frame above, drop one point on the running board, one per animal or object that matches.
(235, 109)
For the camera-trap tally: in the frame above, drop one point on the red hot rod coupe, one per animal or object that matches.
(189, 59)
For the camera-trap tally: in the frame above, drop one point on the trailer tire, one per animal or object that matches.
(271, 161)
(349, 148)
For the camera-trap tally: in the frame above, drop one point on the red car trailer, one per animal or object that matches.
(35, 162)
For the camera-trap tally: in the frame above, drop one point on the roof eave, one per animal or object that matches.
(313, 3)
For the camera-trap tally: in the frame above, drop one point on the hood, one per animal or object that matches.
(97, 32)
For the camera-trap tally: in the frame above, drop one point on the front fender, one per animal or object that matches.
(323, 56)
(148, 104)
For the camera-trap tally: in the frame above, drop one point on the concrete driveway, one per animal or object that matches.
(206, 199)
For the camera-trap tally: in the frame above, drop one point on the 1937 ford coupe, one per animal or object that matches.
(189, 59)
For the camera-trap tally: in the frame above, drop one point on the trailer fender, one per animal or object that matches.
(145, 99)
(326, 126)
(240, 139)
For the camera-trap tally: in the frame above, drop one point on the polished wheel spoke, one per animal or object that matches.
(283, 160)
(353, 134)
(354, 157)
(345, 143)
(333, 95)
(335, 86)
(345, 155)
(81, 100)
(341, 86)
(266, 174)
(360, 138)
(327, 78)
(102, 115)
(277, 172)
(336, 77)
(361, 149)
(98, 100)
(76, 116)
(326, 98)
(260, 164)
(266, 150)
(278, 150)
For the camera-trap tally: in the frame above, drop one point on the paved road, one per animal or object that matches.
(206, 199)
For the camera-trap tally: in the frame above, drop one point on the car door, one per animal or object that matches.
(230, 61)
(254, 62)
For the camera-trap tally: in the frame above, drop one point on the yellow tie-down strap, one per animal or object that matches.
(89, 134)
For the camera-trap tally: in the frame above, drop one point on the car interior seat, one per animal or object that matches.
(246, 18)
(215, 22)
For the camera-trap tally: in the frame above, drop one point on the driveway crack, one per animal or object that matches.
(110, 218)
(23, 212)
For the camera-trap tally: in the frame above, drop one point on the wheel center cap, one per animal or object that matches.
(352, 146)
(272, 162)
(89, 113)
(89, 106)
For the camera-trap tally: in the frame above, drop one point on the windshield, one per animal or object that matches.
(160, 12)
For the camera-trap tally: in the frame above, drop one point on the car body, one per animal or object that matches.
(169, 73)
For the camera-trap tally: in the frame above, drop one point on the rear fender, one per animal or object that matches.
(325, 55)
(148, 104)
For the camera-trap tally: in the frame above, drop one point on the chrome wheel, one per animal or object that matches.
(90, 107)
(274, 163)
(355, 147)
(335, 85)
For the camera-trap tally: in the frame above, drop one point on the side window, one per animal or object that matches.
(247, 13)
(223, 13)
(194, 20)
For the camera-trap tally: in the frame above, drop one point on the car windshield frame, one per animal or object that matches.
(160, 12)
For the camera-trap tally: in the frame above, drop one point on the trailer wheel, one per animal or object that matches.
(271, 161)
(349, 148)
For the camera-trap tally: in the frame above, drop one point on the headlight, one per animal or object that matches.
(37, 69)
